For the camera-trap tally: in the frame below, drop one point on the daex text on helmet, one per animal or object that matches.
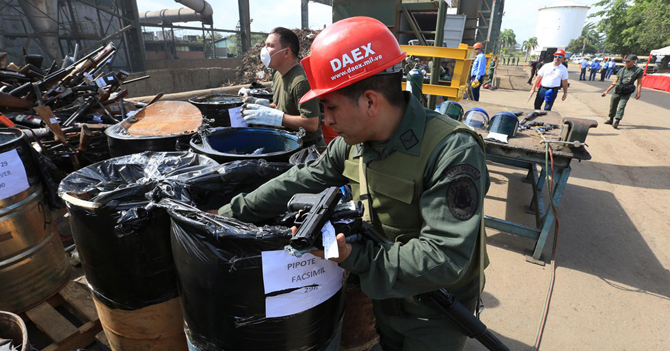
(356, 55)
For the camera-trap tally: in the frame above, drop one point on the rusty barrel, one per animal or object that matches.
(33, 263)
(161, 126)
(158, 327)
(13, 328)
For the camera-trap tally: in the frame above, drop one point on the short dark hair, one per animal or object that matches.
(288, 39)
(388, 85)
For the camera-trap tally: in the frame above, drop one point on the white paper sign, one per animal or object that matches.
(13, 178)
(236, 119)
(329, 240)
(315, 279)
(302, 299)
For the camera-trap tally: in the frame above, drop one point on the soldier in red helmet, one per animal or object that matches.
(421, 175)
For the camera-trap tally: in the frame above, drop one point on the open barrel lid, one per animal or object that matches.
(164, 118)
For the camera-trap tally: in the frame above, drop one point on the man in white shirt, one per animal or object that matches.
(553, 77)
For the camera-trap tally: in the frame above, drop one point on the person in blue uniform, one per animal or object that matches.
(585, 65)
(478, 70)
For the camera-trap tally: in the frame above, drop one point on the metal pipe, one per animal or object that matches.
(199, 10)
(200, 6)
(439, 37)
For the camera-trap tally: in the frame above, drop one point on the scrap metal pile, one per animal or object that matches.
(253, 70)
(65, 110)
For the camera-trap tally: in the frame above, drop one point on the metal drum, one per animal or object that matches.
(161, 126)
(216, 107)
(13, 328)
(33, 264)
(234, 144)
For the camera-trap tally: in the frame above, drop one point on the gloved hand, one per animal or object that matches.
(258, 101)
(259, 114)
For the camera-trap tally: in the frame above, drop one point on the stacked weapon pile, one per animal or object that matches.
(65, 110)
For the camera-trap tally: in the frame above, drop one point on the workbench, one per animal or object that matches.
(526, 151)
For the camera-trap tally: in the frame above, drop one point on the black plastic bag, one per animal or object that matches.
(129, 178)
(122, 239)
(214, 189)
(304, 155)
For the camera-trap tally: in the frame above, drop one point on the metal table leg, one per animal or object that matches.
(561, 176)
(544, 217)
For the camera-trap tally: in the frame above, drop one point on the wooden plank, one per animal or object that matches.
(82, 338)
(81, 300)
(52, 323)
(50, 120)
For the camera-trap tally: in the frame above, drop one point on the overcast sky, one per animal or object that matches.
(520, 15)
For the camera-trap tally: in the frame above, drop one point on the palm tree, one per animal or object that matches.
(524, 47)
(508, 38)
(590, 36)
(533, 43)
(529, 45)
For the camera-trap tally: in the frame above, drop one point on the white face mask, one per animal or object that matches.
(266, 58)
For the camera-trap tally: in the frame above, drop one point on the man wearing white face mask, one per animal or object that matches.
(289, 84)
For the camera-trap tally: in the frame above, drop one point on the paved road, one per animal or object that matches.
(613, 284)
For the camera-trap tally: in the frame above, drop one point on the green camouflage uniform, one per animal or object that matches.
(287, 90)
(618, 101)
(427, 184)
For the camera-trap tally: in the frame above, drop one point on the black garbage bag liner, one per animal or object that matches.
(127, 266)
(220, 271)
(129, 178)
(304, 155)
(212, 190)
(122, 238)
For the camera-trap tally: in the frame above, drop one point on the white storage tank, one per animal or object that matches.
(559, 23)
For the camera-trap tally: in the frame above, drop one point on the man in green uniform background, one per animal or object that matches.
(624, 87)
(421, 175)
(289, 84)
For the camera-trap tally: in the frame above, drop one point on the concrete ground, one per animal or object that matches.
(612, 287)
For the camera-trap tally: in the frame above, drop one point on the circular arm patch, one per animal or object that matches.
(462, 198)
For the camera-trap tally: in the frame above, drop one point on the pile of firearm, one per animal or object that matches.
(65, 110)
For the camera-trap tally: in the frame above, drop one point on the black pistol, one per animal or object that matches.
(315, 211)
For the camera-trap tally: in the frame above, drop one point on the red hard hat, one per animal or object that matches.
(478, 46)
(560, 52)
(348, 51)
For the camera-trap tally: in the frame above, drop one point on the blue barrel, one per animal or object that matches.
(233, 144)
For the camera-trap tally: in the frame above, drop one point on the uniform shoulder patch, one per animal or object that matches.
(409, 139)
(463, 169)
(462, 198)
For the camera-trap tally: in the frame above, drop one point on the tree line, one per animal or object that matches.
(634, 26)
